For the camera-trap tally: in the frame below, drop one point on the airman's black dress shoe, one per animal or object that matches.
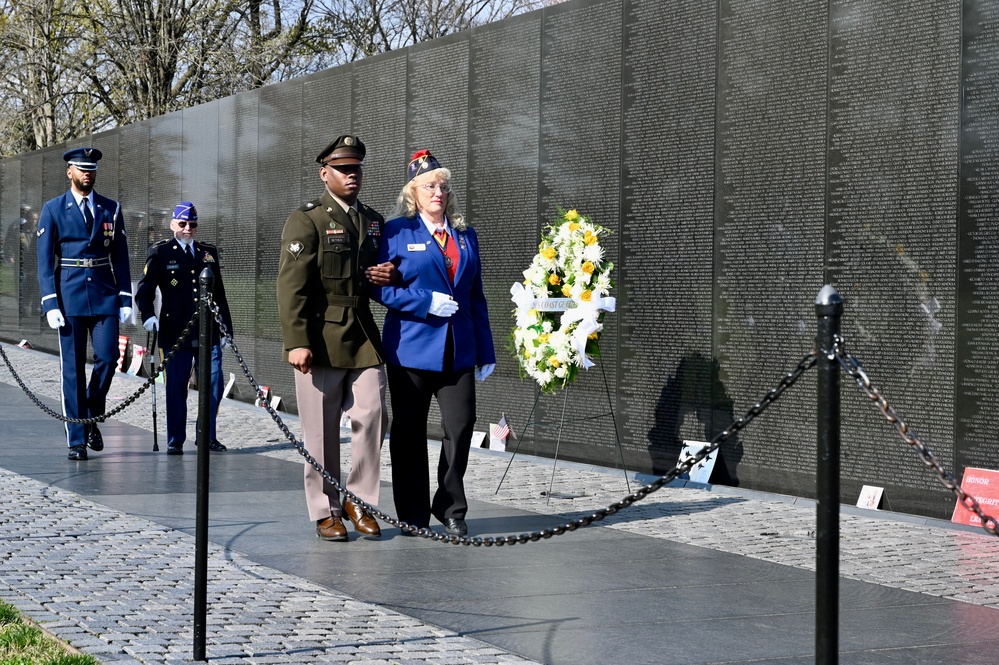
(78, 453)
(94, 438)
(215, 446)
(455, 526)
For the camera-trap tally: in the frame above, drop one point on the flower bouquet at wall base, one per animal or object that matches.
(562, 301)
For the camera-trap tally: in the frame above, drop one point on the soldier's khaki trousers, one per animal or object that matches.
(322, 395)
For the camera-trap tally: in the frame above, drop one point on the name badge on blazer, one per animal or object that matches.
(416, 247)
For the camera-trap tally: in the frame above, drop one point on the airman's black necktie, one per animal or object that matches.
(88, 216)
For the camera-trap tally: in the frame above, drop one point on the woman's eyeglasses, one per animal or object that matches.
(429, 189)
(182, 224)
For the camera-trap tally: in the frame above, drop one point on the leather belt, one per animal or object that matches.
(85, 263)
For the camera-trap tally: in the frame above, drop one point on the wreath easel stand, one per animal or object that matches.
(558, 440)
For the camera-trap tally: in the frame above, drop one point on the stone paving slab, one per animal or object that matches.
(52, 535)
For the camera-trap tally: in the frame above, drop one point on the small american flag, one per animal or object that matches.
(501, 430)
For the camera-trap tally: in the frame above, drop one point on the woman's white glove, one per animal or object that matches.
(55, 318)
(151, 324)
(482, 373)
(124, 314)
(442, 305)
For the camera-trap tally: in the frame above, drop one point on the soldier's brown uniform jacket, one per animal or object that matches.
(322, 291)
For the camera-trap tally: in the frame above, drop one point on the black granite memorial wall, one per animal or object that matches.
(743, 154)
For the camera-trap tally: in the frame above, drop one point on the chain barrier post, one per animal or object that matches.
(207, 281)
(829, 311)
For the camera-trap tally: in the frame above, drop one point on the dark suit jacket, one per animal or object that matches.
(169, 268)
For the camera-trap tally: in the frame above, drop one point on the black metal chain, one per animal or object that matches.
(118, 409)
(683, 467)
(852, 367)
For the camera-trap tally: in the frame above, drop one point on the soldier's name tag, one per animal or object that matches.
(173, 266)
(336, 240)
(416, 247)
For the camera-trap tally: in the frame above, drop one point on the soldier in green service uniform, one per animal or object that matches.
(328, 251)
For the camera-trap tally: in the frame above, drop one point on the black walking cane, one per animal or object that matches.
(152, 370)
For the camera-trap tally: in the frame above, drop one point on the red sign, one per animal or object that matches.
(983, 484)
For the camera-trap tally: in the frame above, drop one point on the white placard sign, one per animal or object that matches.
(700, 472)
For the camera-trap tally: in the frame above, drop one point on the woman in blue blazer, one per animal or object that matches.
(437, 342)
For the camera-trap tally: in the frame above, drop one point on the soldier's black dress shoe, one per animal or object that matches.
(455, 526)
(175, 449)
(78, 453)
(94, 438)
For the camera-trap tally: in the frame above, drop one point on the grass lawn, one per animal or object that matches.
(23, 643)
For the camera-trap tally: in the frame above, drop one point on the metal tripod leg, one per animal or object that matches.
(558, 441)
(617, 437)
(530, 415)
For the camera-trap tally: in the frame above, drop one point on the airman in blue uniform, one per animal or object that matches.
(174, 266)
(84, 282)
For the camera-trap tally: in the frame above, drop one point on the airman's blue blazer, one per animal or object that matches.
(62, 234)
(411, 336)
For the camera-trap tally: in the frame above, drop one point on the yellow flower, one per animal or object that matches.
(548, 253)
(566, 290)
(527, 353)
(588, 267)
(553, 279)
(571, 216)
(593, 335)
(553, 361)
(543, 338)
(585, 296)
(590, 240)
(574, 227)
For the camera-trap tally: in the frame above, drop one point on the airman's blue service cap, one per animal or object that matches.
(84, 159)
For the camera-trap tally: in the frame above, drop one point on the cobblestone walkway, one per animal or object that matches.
(123, 614)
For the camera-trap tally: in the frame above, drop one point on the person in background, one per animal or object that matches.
(328, 251)
(173, 266)
(85, 288)
(437, 341)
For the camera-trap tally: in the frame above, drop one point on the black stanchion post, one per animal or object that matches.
(205, 327)
(829, 310)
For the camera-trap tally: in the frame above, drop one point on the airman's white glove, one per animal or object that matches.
(124, 314)
(151, 324)
(55, 318)
(482, 373)
(443, 305)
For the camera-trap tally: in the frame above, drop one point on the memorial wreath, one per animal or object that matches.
(561, 302)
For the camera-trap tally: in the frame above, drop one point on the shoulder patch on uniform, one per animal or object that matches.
(159, 243)
(310, 205)
(40, 232)
(295, 248)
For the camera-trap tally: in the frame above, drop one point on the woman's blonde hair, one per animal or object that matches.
(405, 204)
